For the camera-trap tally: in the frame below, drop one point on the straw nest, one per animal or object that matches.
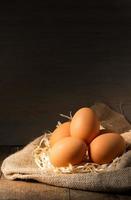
(41, 157)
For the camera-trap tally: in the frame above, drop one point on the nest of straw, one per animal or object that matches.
(41, 157)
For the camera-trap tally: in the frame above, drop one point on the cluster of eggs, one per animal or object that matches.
(71, 141)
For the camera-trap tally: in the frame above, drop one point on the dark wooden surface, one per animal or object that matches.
(15, 190)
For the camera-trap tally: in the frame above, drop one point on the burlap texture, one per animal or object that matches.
(21, 164)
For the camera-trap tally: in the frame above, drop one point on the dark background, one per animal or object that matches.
(56, 57)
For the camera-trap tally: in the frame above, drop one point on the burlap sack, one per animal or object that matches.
(21, 164)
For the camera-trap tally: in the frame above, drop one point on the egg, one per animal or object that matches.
(60, 132)
(106, 147)
(85, 125)
(67, 151)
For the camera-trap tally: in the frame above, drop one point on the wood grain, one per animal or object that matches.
(85, 195)
(32, 191)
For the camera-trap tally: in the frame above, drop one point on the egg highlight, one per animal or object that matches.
(85, 125)
(106, 147)
(67, 151)
(63, 130)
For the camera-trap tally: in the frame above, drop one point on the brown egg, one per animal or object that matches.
(85, 125)
(106, 147)
(69, 150)
(60, 132)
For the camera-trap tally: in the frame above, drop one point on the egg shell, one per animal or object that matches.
(63, 130)
(67, 151)
(106, 147)
(85, 125)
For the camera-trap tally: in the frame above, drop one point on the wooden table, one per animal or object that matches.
(14, 190)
